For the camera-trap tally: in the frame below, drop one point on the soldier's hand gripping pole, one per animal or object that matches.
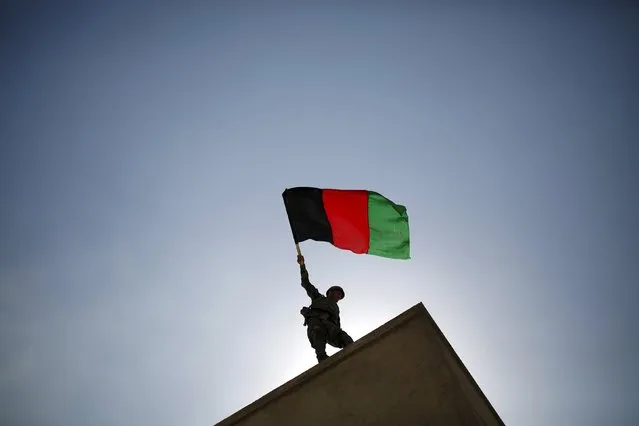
(300, 258)
(300, 261)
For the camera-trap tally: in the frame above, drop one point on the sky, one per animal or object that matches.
(147, 270)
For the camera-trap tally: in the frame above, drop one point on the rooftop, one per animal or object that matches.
(416, 313)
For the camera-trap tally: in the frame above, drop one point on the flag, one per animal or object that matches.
(362, 221)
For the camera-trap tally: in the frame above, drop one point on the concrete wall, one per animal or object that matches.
(402, 374)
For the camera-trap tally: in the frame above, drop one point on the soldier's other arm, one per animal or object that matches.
(311, 291)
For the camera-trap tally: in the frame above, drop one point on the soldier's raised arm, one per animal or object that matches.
(311, 291)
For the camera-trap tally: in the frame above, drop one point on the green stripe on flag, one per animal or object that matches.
(388, 223)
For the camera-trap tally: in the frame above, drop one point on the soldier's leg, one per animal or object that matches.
(338, 337)
(317, 337)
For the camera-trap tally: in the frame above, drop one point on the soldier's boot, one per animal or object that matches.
(344, 339)
(321, 356)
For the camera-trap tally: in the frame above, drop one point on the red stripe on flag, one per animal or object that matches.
(347, 212)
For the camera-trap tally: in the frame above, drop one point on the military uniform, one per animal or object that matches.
(322, 319)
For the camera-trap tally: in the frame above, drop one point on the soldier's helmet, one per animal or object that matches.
(336, 288)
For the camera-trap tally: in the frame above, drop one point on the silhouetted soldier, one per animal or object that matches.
(322, 316)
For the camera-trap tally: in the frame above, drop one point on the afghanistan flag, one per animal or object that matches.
(361, 221)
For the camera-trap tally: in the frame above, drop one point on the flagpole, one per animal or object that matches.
(297, 247)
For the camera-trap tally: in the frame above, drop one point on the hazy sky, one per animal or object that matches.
(147, 269)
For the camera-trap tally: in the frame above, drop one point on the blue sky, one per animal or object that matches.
(147, 270)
